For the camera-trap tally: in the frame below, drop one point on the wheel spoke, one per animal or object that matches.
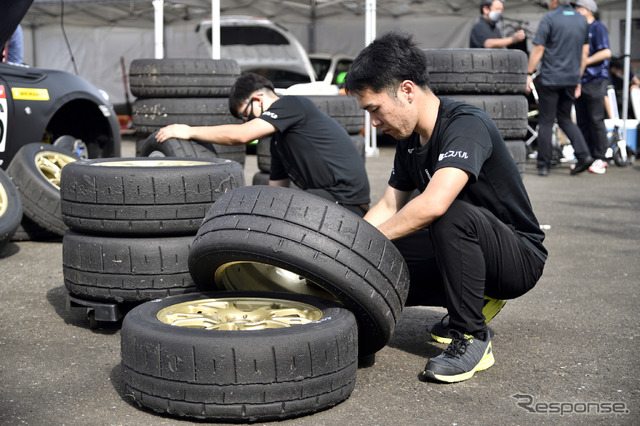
(239, 314)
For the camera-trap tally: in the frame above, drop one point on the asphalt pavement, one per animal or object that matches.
(566, 352)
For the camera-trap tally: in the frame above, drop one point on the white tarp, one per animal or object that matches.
(102, 31)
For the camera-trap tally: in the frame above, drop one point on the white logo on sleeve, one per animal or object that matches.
(453, 154)
(271, 114)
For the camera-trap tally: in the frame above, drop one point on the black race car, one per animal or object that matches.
(40, 105)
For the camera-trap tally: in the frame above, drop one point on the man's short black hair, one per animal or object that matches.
(242, 89)
(487, 3)
(387, 62)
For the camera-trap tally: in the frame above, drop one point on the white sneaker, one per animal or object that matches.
(598, 167)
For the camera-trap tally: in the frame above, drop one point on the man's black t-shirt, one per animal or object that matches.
(481, 31)
(314, 151)
(466, 138)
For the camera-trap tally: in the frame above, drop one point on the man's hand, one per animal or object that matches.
(529, 87)
(518, 36)
(179, 131)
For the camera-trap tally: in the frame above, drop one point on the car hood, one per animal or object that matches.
(11, 15)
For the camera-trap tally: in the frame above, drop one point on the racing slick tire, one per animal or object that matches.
(283, 239)
(240, 356)
(477, 71)
(183, 148)
(125, 269)
(144, 196)
(36, 170)
(153, 114)
(182, 78)
(509, 112)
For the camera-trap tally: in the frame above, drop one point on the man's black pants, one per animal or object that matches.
(555, 102)
(590, 114)
(464, 255)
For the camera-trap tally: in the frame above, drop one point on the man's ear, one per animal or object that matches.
(408, 89)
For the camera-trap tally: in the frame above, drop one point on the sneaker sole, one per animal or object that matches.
(487, 361)
(490, 310)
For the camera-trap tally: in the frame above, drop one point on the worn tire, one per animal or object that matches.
(142, 196)
(477, 71)
(28, 230)
(125, 269)
(10, 209)
(36, 170)
(227, 375)
(182, 148)
(343, 109)
(518, 150)
(327, 250)
(150, 115)
(509, 112)
(182, 78)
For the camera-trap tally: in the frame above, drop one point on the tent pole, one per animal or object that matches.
(215, 29)
(370, 139)
(158, 25)
(625, 81)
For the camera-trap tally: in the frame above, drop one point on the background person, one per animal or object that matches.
(480, 228)
(590, 108)
(486, 34)
(14, 49)
(308, 147)
(561, 43)
(616, 75)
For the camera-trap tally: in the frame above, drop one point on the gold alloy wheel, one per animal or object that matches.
(248, 276)
(4, 201)
(239, 313)
(150, 163)
(50, 164)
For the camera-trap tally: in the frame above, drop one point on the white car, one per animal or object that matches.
(264, 47)
(331, 68)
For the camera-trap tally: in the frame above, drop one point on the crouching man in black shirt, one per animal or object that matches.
(472, 219)
(308, 147)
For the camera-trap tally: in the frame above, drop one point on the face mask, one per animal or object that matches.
(494, 16)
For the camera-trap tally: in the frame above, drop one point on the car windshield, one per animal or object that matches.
(321, 67)
(281, 79)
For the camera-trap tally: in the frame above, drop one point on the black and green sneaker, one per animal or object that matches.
(440, 330)
(463, 357)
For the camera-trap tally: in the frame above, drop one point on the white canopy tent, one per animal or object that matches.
(100, 32)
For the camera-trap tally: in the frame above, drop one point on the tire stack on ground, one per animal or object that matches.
(132, 221)
(343, 109)
(36, 171)
(186, 91)
(289, 350)
(494, 80)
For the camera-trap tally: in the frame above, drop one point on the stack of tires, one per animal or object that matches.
(36, 170)
(494, 80)
(333, 289)
(185, 91)
(131, 222)
(343, 109)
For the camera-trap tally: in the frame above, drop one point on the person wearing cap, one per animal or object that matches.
(561, 46)
(486, 34)
(590, 109)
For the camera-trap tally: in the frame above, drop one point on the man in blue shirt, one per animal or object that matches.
(590, 110)
(562, 45)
